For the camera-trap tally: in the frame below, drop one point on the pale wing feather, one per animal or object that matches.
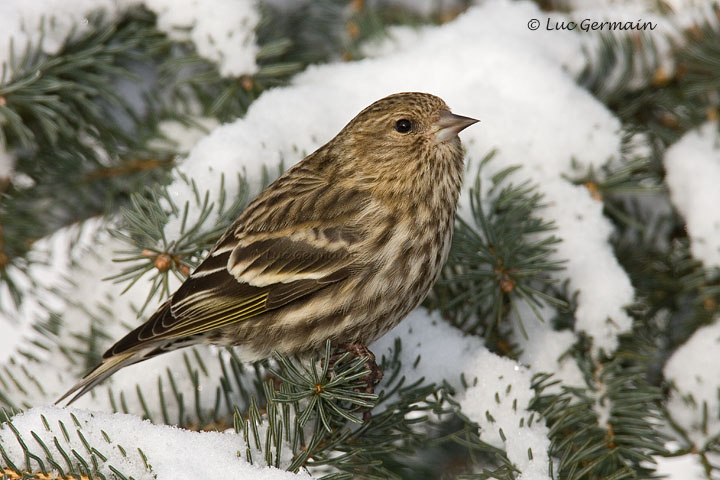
(209, 301)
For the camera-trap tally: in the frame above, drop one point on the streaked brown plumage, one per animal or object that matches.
(342, 246)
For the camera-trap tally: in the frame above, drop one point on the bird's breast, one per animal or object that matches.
(408, 250)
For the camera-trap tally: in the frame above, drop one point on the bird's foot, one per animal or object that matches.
(358, 350)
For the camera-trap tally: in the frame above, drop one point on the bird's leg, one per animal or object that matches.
(358, 350)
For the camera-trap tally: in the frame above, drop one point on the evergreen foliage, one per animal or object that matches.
(84, 148)
(506, 256)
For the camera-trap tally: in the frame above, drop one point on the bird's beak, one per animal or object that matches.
(450, 125)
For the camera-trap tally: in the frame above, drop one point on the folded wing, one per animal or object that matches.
(263, 272)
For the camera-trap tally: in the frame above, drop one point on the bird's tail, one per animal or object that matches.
(101, 372)
(134, 347)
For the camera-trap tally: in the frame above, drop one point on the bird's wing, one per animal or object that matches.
(268, 270)
(295, 238)
(261, 272)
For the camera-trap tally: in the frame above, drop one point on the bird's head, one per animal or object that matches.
(399, 134)
(405, 120)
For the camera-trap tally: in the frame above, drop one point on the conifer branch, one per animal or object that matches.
(506, 256)
(152, 253)
(648, 98)
(618, 445)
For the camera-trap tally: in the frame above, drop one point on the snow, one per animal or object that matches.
(692, 168)
(48, 23)
(106, 309)
(536, 355)
(443, 350)
(7, 161)
(83, 302)
(498, 402)
(171, 453)
(433, 350)
(44, 283)
(223, 34)
(695, 384)
(682, 467)
(604, 287)
(102, 307)
(446, 354)
(182, 137)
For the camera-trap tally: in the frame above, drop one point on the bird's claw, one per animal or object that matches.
(359, 350)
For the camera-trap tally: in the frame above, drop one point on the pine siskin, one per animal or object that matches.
(342, 246)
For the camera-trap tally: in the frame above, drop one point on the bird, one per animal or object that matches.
(342, 246)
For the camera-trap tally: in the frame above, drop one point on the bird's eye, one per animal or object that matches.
(403, 125)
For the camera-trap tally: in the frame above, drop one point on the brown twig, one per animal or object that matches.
(129, 167)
